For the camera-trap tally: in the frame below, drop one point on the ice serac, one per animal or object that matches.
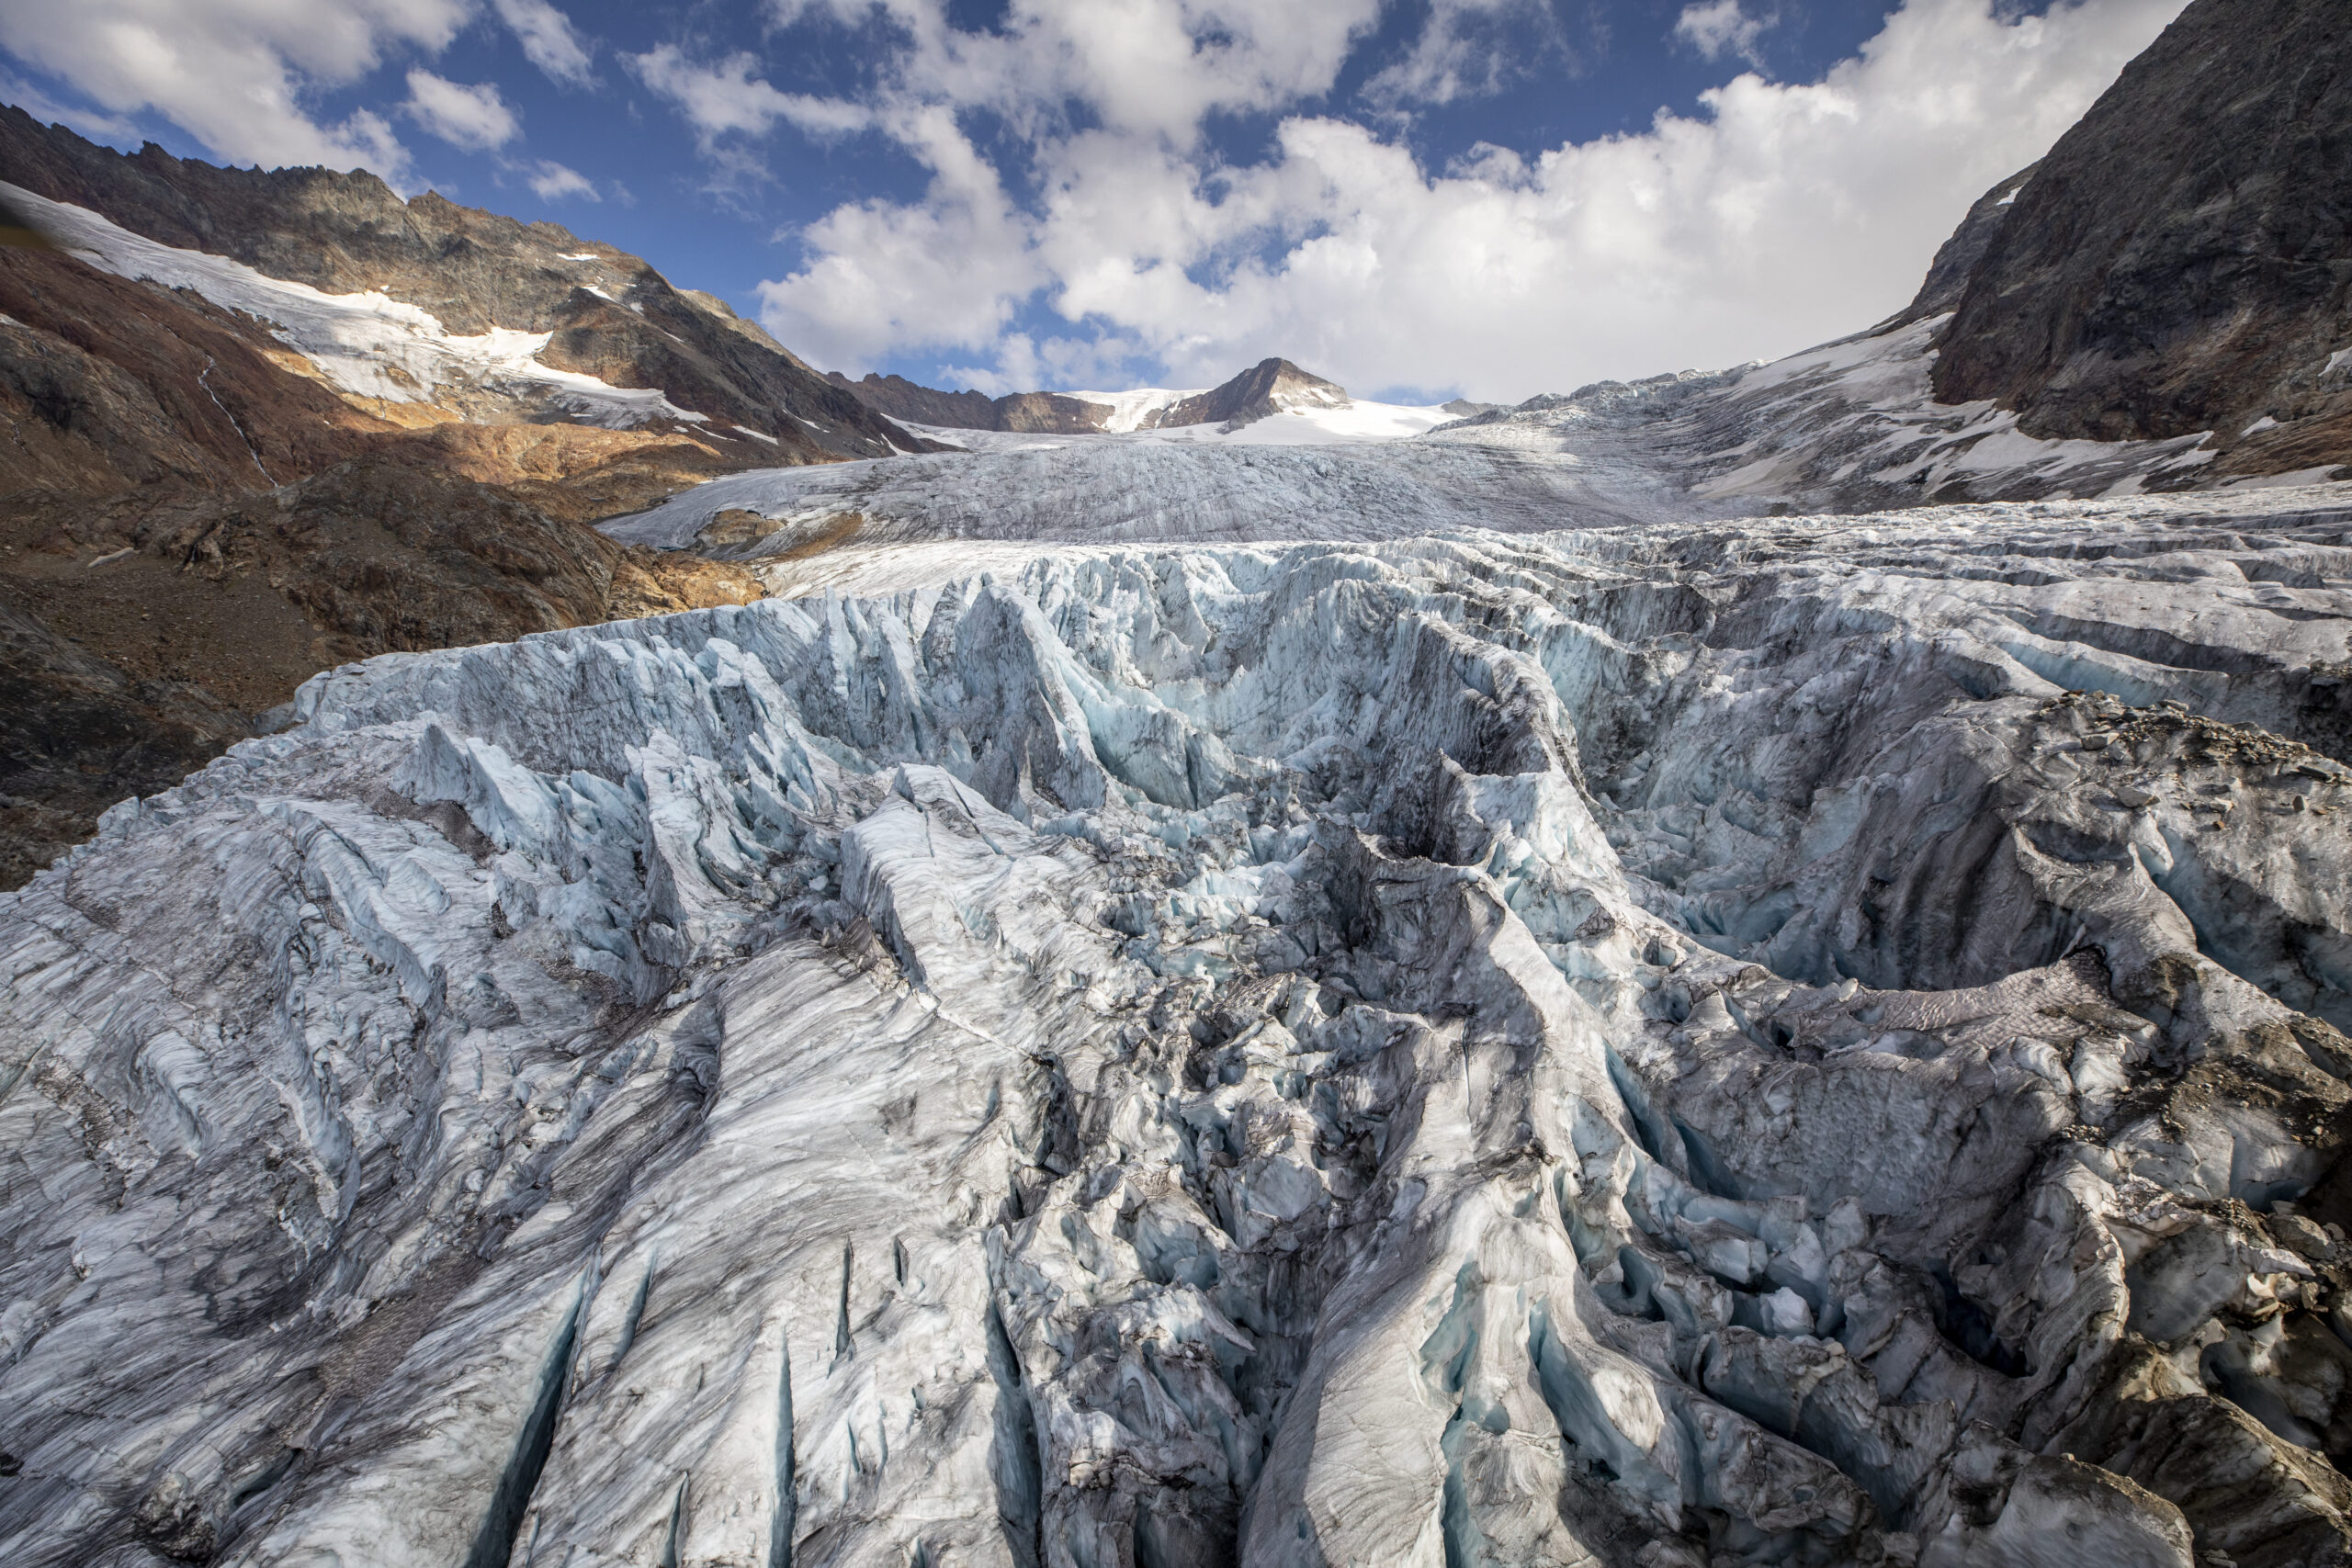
(1797, 1041)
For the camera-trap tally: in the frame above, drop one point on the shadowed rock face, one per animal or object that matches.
(2182, 259)
(1047, 413)
(1957, 257)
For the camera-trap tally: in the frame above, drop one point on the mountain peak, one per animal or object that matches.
(1269, 387)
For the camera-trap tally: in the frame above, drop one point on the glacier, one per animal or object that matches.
(1796, 1040)
(1848, 427)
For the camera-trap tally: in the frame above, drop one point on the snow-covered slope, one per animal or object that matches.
(1302, 422)
(1809, 1041)
(1849, 426)
(1137, 488)
(367, 344)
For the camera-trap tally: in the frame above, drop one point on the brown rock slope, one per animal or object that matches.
(1045, 413)
(2182, 260)
(1269, 387)
(473, 270)
(192, 523)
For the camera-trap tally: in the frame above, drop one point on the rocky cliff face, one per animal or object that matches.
(2179, 262)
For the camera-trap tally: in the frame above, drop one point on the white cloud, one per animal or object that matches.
(549, 40)
(550, 181)
(1151, 67)
(474, 118)
(93, 123)
(722, 97)
(1720, 27)
(234, 73)
(1465, 49)
(947, 271)
(1780, 215)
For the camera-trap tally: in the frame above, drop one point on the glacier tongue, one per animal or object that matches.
(1778, 1043)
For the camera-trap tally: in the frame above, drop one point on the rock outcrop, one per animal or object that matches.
(2177, 263)
(607, 313)
(1047, 413)
(1269, 387)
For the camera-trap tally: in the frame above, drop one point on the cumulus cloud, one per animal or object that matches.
(474, 118)
(1720, 27)
(723, 97)
(550, 181)
(90, 122)
(1777, 215)
(1465, 49)
(1156, 68)
(549, 40)
(947, 270)
(232, 73)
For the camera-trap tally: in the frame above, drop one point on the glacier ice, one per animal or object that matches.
(1801, 1040)
(1847, 427)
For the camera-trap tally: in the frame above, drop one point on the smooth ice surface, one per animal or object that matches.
(1793, 1040)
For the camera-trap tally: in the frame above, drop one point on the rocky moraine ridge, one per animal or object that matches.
(1598, 986)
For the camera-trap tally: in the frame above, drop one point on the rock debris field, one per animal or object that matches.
(1801, 1041)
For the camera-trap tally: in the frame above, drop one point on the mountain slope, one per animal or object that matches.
(155, 611)
(1022, 413)
(2182, 259)
(604, 313)
(1269, 388)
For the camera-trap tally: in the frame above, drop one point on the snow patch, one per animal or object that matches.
(368, 344)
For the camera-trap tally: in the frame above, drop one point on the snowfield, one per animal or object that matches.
(1805, 1040)
(1847, 427)
(367, 344)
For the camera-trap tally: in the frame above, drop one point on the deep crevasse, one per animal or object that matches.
(1615, 1049)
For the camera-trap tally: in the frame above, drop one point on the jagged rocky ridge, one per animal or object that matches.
(1035, 412)
(603, 312)
(1798, 1042)
(1268, 387)
(1849, 426)
(2176, 264)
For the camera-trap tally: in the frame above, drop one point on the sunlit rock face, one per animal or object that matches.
(1808, 1043)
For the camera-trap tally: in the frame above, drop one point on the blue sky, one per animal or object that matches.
(1420, 198)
